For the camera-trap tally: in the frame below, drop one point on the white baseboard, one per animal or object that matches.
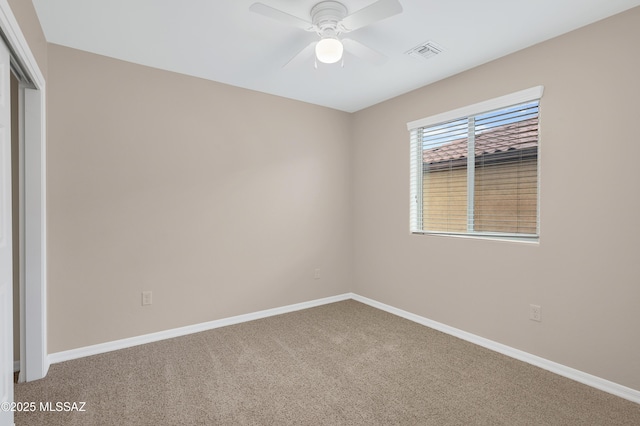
(190, 329)
(562, 370)
(559, 369)
(16, 366)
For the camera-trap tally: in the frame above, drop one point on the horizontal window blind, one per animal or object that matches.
(477, 175)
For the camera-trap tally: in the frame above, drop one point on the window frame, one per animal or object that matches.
(416, 159)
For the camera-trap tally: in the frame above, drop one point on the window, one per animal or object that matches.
(474, 171)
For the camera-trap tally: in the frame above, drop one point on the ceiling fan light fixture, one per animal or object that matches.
(329, 50)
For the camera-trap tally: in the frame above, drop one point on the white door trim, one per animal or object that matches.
(33, 305)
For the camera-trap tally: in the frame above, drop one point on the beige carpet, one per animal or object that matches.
(339, 364)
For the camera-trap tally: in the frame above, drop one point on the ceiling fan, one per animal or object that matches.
(330, 19)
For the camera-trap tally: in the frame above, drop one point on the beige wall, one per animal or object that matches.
(220, 200)
(585, 272)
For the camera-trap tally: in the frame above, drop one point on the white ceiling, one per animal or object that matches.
(222, 40)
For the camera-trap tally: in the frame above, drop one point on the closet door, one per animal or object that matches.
(6, 263)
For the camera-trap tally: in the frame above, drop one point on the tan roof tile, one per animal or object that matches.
(510, 137)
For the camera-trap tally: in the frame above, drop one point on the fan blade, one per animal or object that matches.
(301, 56)
(363, 52)
(377, 11)
(281, 16)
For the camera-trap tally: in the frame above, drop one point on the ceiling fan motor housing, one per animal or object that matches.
(326, 17)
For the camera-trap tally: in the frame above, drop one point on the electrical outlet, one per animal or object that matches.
(147, 298)
(316, 274)
(535, 313)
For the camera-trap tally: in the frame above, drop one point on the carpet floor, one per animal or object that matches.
(344, 363)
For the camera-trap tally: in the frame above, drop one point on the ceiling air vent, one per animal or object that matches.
(425, 50)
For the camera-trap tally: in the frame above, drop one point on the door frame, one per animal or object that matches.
(34, 362)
